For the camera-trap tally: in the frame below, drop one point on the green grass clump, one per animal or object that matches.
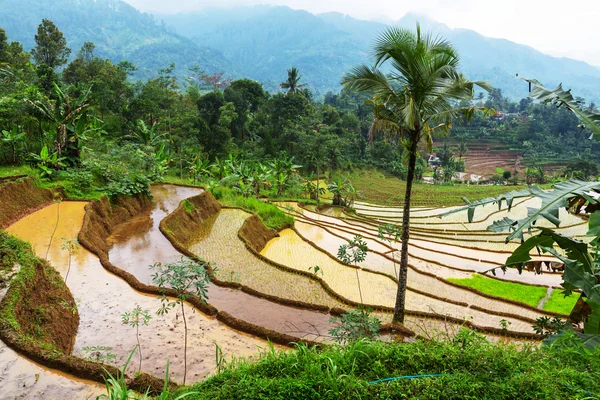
(471, 368)
(513, 291)
(270, 214)
(559, 303)
(16, 170)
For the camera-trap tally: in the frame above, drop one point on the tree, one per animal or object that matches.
(51, 49)
(12, 138)
(186, 278)
(414, 102)
(292, 84)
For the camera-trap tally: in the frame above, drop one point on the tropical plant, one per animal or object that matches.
(187, 278)
(353, 253)
(197, 168)
(414, 102)
(46, 162)
(134, 319)
(148, 136)
(355, 325)
(283, 169)
(390, 233)
(12, 138)
(311, 188)
(462, 149)
(292, 83)
(70, 119)
(343, 192)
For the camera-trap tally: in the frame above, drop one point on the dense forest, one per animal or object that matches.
(88, 114)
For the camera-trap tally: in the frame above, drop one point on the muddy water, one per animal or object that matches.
(139, 243)
(217, 241)
(418, 280)
(21, 378)
(449, 255)
(104, 297)
(380, 290)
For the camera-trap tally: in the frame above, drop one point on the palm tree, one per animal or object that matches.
(292, 84)
(413, 102)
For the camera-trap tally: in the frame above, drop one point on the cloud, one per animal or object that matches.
(555, 27)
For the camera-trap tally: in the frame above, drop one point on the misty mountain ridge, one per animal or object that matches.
(341, 42)
(262, 42)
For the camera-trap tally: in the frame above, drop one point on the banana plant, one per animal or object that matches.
(582, 260)
(65, 113)
(47, 162)
(198, 168)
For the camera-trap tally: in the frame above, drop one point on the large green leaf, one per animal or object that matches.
(521, 254)
(559, 96)
(594, 224)
(552, 202)
(507, 197)
(589, 341)
(592, 325)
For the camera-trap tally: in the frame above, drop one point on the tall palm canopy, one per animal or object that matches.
(414, 101)
(292, 84)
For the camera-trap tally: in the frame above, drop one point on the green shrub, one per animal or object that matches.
(270, 214)
(470, 368)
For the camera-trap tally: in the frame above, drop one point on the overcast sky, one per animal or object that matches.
(559, 28)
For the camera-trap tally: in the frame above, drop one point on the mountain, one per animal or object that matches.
(119, 31)
(264, 41)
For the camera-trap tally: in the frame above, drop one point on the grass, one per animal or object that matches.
(15, 170)
(470, 368)
(513, 291)
(380, 188)
(72, 190)
(270, 214)
(559, 303)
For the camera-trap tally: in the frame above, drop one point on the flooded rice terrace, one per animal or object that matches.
(277, 288)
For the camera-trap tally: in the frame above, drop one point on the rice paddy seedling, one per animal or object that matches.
(514, 291)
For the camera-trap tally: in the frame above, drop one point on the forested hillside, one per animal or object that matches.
(260, 41)
(119, 31)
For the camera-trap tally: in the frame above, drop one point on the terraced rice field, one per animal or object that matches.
(440, 251)
(445, 286)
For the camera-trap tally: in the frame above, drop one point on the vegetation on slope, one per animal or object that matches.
(38, 307)
(381, 188)
(470, 368)
(271, 215)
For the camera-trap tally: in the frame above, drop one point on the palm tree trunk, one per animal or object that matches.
(400, 306)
